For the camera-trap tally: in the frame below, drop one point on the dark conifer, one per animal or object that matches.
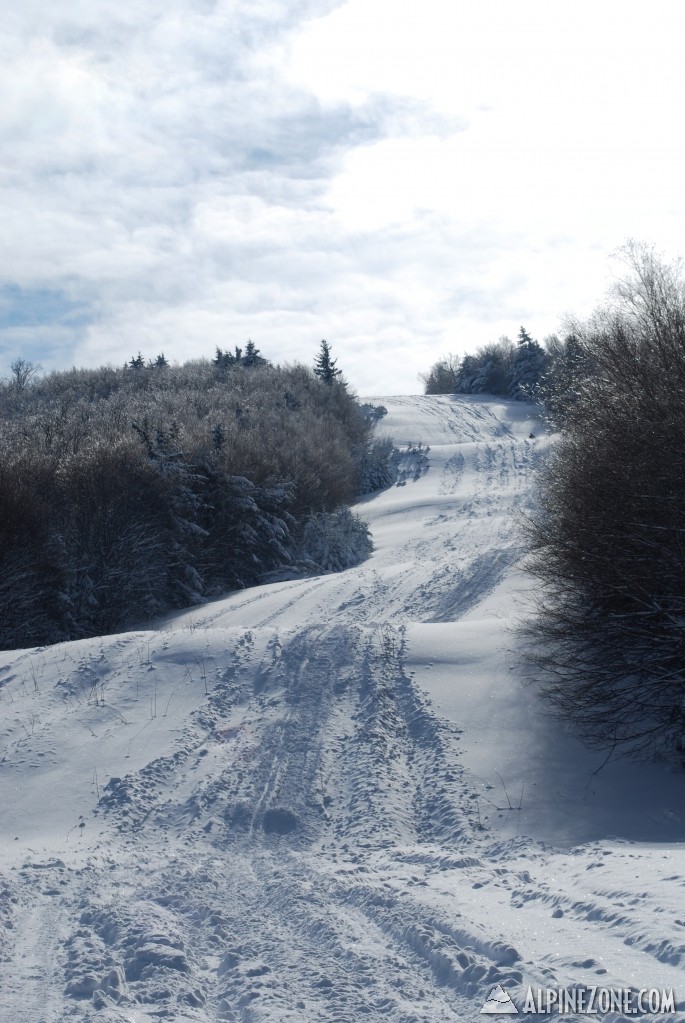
(325, 366)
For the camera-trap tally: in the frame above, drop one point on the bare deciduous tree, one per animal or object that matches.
(608, 540)
(23, 372)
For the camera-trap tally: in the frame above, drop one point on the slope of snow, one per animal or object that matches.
(332, 799)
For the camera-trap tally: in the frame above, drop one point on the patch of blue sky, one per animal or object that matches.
(41, 307)
(43, 325)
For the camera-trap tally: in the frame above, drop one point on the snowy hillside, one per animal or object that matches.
(332, 799)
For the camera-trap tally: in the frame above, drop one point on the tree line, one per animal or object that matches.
(607, 536)
(126, 492)
(503, 367)
(524, 370)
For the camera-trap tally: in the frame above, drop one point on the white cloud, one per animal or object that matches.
(402, 178)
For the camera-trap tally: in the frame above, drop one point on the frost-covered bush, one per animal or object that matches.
(374, 413)
(558, 388)
(412, 463)
(608, 541)
(378, 466)
(336, 540)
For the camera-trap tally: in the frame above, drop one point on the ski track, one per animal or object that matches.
(283, 828)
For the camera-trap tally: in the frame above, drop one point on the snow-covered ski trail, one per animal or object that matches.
(323, 799)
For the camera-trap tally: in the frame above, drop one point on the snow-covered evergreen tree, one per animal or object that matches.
(336, 540)
(378, 466)
(527, 367)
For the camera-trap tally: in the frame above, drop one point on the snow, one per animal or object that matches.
(333, 798)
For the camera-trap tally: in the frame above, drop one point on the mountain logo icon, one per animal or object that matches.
(499, 1002)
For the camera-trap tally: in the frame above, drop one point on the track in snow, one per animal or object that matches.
(255, 813)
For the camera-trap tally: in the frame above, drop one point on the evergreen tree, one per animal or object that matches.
(225, 359)
(137, 362)
(568, 366)
(252, 356)
(325, 366)
(527, 367)
(218, 437)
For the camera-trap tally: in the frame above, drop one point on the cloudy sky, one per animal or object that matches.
(405, 178)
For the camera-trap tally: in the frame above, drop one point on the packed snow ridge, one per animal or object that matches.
(334, 798)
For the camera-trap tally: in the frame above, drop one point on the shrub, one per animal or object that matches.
(336, 540)
(378, 465)
(608, 541)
